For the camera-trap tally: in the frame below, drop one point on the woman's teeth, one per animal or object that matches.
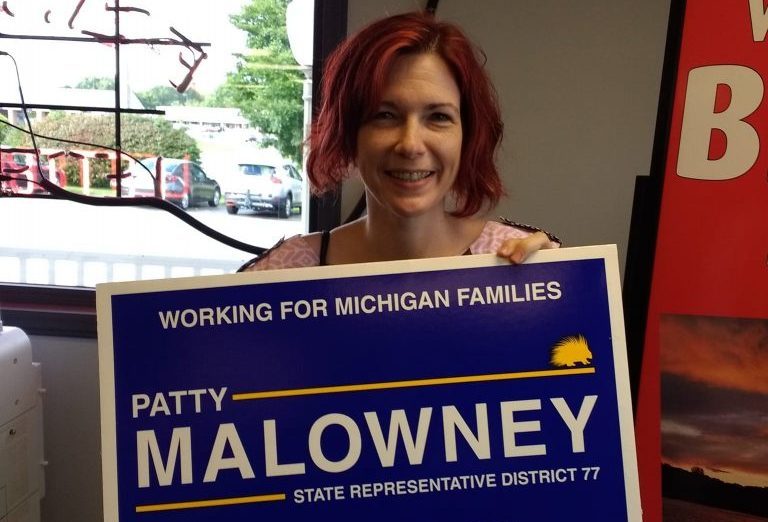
(409, 175)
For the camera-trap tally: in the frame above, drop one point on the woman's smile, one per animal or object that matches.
(409, 175)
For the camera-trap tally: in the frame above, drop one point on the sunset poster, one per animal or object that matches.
(714, 419)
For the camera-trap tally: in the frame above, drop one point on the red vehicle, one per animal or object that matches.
(27, 177)
(184, 182)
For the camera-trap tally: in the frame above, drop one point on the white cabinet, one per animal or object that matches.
(22, 481)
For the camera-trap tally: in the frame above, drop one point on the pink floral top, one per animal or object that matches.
(296, 252)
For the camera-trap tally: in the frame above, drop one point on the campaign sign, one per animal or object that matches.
(463, 388)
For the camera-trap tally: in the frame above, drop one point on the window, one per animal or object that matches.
(69, 310)
(250, 169)
(80, 84)
(292, 172)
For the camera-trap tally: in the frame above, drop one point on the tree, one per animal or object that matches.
(4, 128)
(140, 135)
(221, 97)
(267, 84)
(93, 82)
(8, 135)
(162, 95)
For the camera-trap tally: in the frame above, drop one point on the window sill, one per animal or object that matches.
(49, 310)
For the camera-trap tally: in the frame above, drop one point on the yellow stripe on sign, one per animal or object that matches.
(194, 504)
(410, 384)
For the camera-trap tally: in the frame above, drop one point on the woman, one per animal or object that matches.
(408, 107)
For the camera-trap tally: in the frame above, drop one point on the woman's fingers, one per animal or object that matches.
(517, 250)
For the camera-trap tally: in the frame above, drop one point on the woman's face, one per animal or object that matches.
(408, 152)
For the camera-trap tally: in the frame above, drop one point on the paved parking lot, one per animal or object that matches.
(47, 224)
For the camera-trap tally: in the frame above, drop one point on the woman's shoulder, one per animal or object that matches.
(494, 233)
(295, 252)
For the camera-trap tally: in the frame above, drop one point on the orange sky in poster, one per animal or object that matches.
(722, 352)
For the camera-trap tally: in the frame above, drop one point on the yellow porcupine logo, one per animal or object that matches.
(571, 350)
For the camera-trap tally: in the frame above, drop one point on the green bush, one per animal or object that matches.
(141, 137)
(8, 135)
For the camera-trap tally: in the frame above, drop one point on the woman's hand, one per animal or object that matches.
(518, 250)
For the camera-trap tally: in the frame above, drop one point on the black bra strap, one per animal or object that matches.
(325, 239)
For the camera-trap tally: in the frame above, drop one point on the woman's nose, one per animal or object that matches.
(410, 141)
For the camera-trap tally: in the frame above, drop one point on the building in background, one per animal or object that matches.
(62, 97)
(208, 120)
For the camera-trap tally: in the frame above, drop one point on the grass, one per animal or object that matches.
(100, 192)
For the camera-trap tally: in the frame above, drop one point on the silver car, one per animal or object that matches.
(265, 186)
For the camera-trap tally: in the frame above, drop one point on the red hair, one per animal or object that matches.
(353, 81)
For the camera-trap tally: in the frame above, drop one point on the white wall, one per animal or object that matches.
(71, 429)
(578, 83)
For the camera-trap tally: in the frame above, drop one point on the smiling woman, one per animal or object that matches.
(410, 109)
(579, 84)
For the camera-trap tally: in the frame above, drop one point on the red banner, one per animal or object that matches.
(706, 345)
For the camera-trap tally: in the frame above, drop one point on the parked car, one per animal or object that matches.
(27, 180)
(182, 182)
(265, 184)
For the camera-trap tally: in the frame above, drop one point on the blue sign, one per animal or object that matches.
(460, 386)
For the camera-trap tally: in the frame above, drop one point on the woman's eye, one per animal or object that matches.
(384, 115)
(442, 117)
